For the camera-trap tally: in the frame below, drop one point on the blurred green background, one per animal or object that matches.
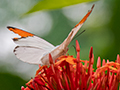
(53, 23)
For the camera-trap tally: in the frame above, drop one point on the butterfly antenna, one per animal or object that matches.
(79, 34)
(74, 49)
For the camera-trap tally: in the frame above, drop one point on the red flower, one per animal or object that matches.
(70, 73)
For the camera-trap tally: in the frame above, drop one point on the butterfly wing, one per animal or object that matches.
(76, 29)
(62, 49)
(30, 47)
(30, 54)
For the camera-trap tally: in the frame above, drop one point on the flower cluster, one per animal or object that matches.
(71, 73)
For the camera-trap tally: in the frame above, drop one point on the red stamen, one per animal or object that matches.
(90, 59)
(66, 82)
(50, 59)
(98, 62)
(118, 59)
(111, 80)
(77, 46)
(91, 52)
(22, 88)
(103, 62)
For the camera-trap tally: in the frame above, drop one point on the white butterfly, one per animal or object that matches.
(35, 50)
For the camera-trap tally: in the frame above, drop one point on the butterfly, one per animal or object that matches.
(35, 50)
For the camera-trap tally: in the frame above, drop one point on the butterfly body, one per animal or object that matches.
(35, 50)
(55, 54)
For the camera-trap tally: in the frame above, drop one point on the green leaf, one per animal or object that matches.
(54, 4)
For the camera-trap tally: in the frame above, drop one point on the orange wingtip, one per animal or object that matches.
(86, 16)
(20, 32)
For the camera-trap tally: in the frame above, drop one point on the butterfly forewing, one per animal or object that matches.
(63, 47)
(30, 48)
(34, 41)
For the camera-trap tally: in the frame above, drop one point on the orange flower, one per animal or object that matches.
(70, 73)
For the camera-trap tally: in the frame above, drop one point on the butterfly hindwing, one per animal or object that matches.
(30, 54)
